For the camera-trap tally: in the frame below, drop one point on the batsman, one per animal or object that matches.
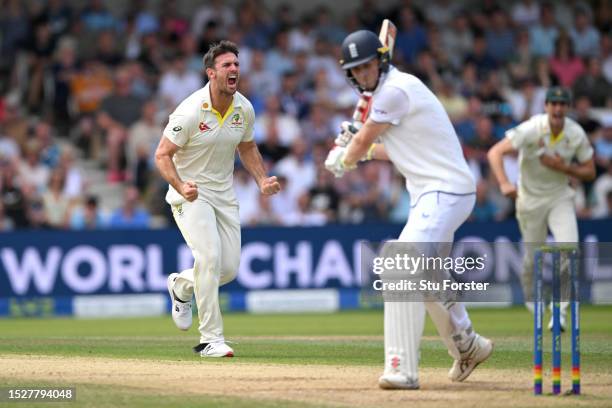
(417, 137)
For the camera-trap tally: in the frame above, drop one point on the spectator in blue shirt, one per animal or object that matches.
(132, 215)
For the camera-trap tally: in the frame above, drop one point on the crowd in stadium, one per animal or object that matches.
(83, 85)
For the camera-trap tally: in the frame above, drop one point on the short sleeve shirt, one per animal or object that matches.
(539, 184)
(207, 140)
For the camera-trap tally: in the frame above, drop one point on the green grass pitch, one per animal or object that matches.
(350, 338)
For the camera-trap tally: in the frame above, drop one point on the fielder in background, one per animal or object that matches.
(196, 157)
(418, 138)
(552, 148)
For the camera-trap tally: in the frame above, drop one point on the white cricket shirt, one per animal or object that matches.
(538, 184)
(422, 143)
(207, 140)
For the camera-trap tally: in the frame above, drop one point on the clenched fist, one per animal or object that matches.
(189, 190)
(269, 186)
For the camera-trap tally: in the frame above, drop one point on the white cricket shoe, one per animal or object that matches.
(181, 311)
(214, 350)
(397, 381)
(479, 349)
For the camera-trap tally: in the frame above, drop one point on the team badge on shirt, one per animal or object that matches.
(236, 120)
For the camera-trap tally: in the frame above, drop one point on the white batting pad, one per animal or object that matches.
(404, 324)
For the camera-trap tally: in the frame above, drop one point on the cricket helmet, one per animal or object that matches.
(360, 47)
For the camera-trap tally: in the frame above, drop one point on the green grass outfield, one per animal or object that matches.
(344, 338)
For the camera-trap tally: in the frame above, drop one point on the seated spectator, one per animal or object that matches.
(56, 204)
(6, 224)
(87, 216)
(484, 209)
(142, 140)
(525, 12)
(542, 36)
(89, 86)
(457, 39)
(96, 17)
(131, 215)
(584, 36)
(594, 85)
(11, 194)
(74, 183)
(564, 64)
(480, 57)
(526, 100)
(582, 115)
(298, 168)
(603, 148)
(317, 127)
(178, 82)
(500, 37)
(285, 126)
(323, 197)
(106, 49)
(411, 37)
(118, 112)
(601, 193)
(454, 103)
(32, 171)
(279, 59)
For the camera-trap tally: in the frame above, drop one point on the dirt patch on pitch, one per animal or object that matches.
(319, 385)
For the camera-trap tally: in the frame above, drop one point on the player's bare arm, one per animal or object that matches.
(252, 161)
(583, 171)
(163, 160)
(363, 140)
(496, 161)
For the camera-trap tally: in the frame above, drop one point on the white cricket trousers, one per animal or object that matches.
(560, 217)
(434, 219)
(211, 227)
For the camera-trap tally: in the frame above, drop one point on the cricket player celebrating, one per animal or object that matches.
(547, 145)
(418, 138)
(196, 157)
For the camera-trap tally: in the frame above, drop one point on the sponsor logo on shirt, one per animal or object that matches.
(380, 111)
(203, 127)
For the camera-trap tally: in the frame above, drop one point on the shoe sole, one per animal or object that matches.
(168, 285)
(388, 385)
(467, 373)
(230, 354)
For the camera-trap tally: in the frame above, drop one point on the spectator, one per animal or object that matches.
(96, 17)
(6, 224)
(263, 82)
(526, 12)
(131, 215)
(63, 71)
(317, 128)
(178, 83)
(286, 127)
(484, 209)
(74, 183)
(520, 61)
(457, 39)
(12, 195)
(89, 86)
(440, 12)
(118, 112)
(603, 149)
(542, 36)
(527, 100)
(247, 194)
(280, 60)
(565, 64)
(299, 169)
(455, 104)
(584, 35)
(56, 204)
(142, 141)
(480, 58)
(216, 11)
(602, 188)
(32, 171)
(500, 37)
(594, 85)
(582, 115)
(606, 56)
(323, 197)
(411, 37)
(106, 49)
(87, 216)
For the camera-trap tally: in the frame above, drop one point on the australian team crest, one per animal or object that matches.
(236, 120)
